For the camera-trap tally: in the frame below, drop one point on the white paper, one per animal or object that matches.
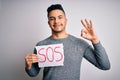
(50, 55)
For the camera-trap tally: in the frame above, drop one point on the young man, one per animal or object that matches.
(74, 49)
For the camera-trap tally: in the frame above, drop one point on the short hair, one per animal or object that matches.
(55, 7)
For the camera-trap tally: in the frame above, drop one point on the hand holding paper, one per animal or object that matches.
(30, 59)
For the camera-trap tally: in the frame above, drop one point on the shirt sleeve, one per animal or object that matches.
(97, 56)
(34, 69)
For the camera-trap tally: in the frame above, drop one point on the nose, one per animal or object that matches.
(56, 20)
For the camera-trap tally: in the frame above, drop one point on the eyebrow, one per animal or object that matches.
(57, 16)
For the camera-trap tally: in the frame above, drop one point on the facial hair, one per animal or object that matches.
(55, 31)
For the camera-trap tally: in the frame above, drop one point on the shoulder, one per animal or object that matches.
(43, 42)
(79, 41)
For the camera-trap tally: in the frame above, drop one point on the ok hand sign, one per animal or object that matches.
(88, 32)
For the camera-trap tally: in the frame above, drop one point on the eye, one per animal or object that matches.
(60, 17)
(51, 19)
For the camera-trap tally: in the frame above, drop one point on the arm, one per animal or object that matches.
(31, 61)
(98, 55)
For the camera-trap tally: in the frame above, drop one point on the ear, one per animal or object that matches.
(48, 22)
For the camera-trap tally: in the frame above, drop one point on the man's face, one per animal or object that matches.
(57, 21)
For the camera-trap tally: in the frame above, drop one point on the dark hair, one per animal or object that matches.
(54, 7)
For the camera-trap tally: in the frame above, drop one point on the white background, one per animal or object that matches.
(24, 22)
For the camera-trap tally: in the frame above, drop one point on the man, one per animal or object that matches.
(74, 49)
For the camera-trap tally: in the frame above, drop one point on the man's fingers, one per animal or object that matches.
(84, 33)
(91, 23)
(83, 23)
(31, 58)
(87, 24)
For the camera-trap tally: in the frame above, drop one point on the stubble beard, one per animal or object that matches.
(56, 32)
(59, 31)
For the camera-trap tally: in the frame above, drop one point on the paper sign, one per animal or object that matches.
(50, 55)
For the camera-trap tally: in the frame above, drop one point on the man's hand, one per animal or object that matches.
(30, 59)
(88, 32)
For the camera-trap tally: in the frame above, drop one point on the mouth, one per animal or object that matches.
(57, 25)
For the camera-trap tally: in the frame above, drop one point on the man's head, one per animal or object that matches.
(55, 7)
(56, 18)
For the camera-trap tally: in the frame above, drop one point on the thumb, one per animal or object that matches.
(84, 33)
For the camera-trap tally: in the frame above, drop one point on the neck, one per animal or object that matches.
(59, 35)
